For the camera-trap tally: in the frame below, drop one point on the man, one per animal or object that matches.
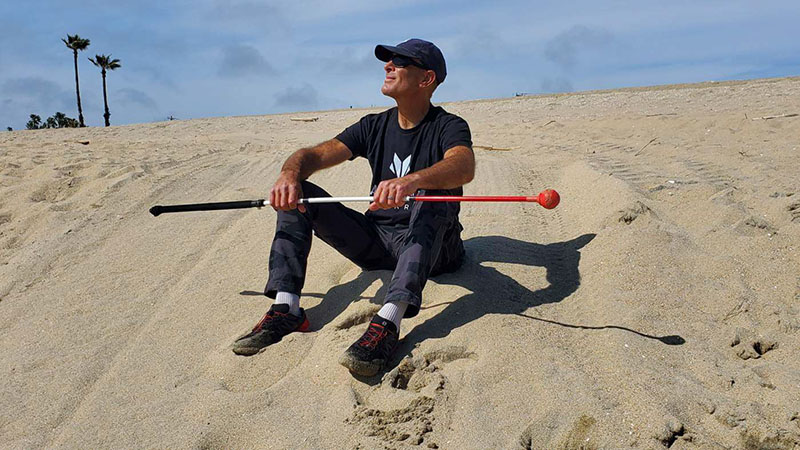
(412, 148)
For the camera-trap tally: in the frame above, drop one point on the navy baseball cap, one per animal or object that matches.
(429, 54)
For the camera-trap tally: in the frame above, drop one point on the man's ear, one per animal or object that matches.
(429, 80)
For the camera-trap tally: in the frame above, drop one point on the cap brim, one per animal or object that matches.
(385, 52)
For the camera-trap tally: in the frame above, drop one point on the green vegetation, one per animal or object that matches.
(57, 120)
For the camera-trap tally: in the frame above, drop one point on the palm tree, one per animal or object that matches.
(76, 43)
(105, 63)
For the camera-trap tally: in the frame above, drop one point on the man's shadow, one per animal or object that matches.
(491, 291)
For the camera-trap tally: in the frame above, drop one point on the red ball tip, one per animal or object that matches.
(549, 198)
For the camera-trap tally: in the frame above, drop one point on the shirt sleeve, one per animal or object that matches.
(455, 131)
(355, 137)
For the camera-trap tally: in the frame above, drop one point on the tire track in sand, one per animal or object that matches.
(224, 228)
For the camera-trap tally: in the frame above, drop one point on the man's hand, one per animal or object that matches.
(299, 166)
(392, 193)
(286, 192)
(456, 169)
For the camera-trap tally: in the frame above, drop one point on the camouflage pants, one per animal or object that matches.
(430, 244)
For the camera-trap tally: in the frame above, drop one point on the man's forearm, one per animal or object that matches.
(304, 162)
(300, 164)
(455, 170)
(449, 173)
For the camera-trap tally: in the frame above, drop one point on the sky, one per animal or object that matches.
(206, 58)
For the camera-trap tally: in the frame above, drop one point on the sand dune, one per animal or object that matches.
(656, 307)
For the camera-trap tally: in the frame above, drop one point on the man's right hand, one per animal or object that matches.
(286, 192)
(301, 164)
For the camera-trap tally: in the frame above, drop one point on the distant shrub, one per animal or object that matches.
(57, 120)
(35, 123)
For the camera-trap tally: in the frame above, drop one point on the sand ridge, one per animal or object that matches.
(656, 307)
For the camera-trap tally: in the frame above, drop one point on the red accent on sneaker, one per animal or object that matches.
(373, 336)
(270, 315)
(304, 327)
(267, 318)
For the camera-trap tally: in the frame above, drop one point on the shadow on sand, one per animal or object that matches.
(491, 291)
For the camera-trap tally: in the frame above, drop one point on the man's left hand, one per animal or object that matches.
(392, 193)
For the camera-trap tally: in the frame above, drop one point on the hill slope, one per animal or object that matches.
(657, 306)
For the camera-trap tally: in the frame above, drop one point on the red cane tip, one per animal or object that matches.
(549, 198)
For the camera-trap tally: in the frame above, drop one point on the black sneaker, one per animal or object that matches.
(277, 323)
(373, 350)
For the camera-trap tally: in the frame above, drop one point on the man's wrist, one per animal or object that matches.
(416, 181)
(290, 174)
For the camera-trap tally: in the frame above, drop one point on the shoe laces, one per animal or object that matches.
(373, 336)
(268, 317)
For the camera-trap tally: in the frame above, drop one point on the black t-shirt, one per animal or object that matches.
(394, 152)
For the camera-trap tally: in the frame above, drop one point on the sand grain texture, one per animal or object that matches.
(656, 307)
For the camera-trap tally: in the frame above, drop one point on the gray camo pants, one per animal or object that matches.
(430, 245)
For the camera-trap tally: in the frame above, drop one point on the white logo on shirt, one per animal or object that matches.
(400, 168)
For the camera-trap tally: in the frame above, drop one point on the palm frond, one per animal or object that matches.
(75, 42)
(105, 62)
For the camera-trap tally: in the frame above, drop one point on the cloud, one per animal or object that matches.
(243, 60)
(156, 75)
(128, 96)
(39, 94)
(33, 87)
(199, 58)
(555, 85)
(564, 48)
(326, 10)
(303, 97)
(343, 61)
(241, 14)
(483, 45)
(34, 95)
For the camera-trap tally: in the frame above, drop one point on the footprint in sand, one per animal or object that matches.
(794, 211)
(554, 432)
(56, 191)
(415, 374)
(789, 317)
(748, 345)
(671, 432)
(409, 425)
(412, 423)
(750, 224)
(631, 213)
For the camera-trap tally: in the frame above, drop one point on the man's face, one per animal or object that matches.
(405, 81)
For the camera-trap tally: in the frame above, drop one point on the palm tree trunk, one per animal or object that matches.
(107, 115)
(78, 90)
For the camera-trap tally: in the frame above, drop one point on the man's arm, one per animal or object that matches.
(455, 170)
(302, 164)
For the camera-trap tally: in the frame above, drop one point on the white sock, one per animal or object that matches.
(393, 312)
(287, 298)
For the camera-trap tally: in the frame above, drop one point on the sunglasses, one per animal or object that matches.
(404, 61)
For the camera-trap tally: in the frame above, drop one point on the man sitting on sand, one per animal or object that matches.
(413, 148)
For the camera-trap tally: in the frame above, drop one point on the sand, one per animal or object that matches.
(656, 307)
